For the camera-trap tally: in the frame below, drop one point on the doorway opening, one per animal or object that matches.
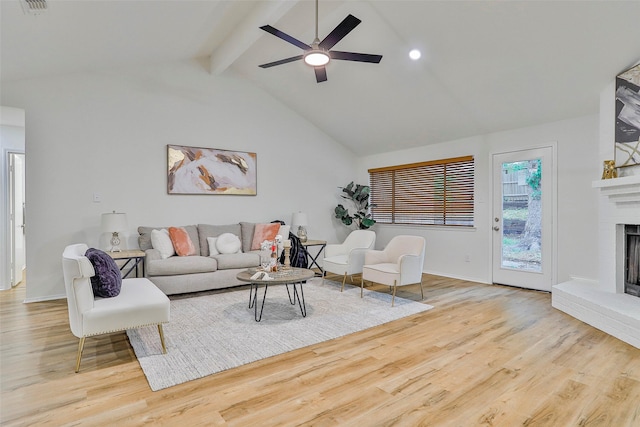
(17, 215)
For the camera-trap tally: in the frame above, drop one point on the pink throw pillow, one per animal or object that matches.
(264, 232)
(181, 241)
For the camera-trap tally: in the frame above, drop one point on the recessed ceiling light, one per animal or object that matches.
(415, 54)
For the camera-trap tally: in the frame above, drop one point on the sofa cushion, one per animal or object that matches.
(144, 238)
(264, 232)
(228, 243)
(181, 265)
(247, 235)
(161, 241)
(213, 250)
(239, 260)
(181, 241)
(107, 280)
(207, 230)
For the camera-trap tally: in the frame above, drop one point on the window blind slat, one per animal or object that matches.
(439, 192)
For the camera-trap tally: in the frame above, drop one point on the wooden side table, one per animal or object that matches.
(132, 260)
(314, 259)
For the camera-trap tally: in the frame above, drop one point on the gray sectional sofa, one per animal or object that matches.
(182, 274)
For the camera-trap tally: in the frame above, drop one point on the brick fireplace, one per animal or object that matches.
(604, 303)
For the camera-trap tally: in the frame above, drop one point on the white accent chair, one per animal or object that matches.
(348, 258)
(140, 302)
(399, 263)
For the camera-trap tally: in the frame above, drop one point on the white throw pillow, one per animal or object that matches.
(212, 246)
(228, 243)
(284, 231)
(161, 241)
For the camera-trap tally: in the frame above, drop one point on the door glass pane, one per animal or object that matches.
(522, 215)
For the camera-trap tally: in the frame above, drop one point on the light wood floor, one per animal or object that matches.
(484, 356)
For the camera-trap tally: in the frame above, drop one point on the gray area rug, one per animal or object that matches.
(215, 332)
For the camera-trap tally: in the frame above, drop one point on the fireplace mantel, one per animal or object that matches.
(624, 190)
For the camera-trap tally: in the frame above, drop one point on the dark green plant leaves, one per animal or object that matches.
(359, 196)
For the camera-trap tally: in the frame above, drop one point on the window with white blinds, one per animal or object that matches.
(438, 192)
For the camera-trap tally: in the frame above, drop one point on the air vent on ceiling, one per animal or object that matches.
(34, 7)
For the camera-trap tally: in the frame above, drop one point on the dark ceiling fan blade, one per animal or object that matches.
(282, 61)
(321, 74)
(285, 37)
(338, 33)
(353, 56)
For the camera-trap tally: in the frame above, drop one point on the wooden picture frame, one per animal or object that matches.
(197, 170)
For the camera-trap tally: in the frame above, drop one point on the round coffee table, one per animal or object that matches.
(293, 276)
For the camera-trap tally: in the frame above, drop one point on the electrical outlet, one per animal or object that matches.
(467, 258)
(97, 197)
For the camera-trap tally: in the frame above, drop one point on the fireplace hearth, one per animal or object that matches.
(612, 302)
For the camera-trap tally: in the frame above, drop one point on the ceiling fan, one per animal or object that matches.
(318, 54)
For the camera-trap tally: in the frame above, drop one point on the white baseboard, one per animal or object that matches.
(47, 298)
(453, 276)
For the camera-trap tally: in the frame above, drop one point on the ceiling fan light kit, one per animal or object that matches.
(319, 53)
(316, 58)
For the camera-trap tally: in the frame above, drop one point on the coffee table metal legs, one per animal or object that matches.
(253, 296)
(300, 298)
(253, 299)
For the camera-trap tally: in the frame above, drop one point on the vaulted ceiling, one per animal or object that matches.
(486, 66)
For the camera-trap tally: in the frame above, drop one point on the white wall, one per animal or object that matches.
(578, 165)
(107, 133)
(12, 139)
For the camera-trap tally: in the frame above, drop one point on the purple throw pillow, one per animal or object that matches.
(107, 281)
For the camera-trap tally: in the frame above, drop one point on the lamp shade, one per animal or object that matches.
(299, 219)
(114, 221)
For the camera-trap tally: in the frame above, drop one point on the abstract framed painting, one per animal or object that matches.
(196, 170)
(627, 145)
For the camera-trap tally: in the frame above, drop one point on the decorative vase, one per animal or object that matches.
(609, 170)
(302, 234)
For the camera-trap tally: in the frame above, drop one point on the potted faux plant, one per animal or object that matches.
(359, 197)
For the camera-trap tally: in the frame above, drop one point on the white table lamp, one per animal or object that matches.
(114, 223)
(300, 219)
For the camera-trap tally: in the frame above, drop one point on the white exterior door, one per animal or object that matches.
(522, 223)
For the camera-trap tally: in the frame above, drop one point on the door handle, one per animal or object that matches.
(496, 228)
